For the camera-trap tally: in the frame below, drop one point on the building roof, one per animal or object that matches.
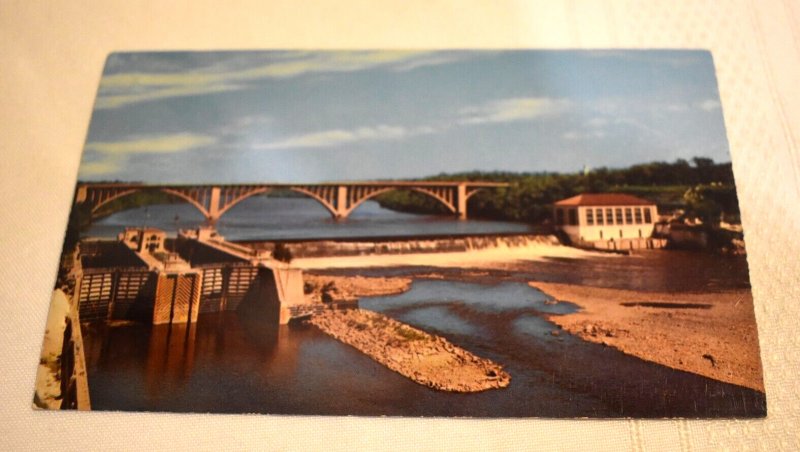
(604, 199)
(107, 254)
(198, 253)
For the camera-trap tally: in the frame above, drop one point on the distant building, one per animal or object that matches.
(607, 220)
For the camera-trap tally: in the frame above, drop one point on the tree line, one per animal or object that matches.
(701, 189)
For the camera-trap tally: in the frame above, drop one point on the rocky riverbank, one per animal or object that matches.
(710, 334)
(332, 288)
(424, 358)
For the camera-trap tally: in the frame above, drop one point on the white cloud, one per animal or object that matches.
(676, 108)
(244, 123)
(112, 155)
(708, 105)
(597, 122)
(124, 88)
(514, 109)
(336, 137)
(152, 144)
(635, 123)
(573, 135)
(99, 168)
(427, 60)
(108, 99)
(676, 59)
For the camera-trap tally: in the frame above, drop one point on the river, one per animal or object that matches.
(232, 365)
(277, 218)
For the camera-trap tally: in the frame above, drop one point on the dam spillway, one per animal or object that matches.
(310, 248)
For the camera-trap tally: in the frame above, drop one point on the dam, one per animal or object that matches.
(146, 277)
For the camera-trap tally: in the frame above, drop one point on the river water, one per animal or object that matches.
(276, 218)
(225, 363)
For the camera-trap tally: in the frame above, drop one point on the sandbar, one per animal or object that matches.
(424, 358)
(709, 334)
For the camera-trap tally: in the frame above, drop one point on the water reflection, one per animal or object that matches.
(646, 270)
(497, 297)
(170, 358)
(232, 365)
(265, 218)
(440, 319)
(538, 328)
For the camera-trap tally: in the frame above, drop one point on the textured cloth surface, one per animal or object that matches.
(53, 52)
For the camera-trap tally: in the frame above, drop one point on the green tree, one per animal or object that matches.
(282, 253)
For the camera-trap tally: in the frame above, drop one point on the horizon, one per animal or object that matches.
(308, 117)
(421, 179)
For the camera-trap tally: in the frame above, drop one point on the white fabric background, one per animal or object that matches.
(52, 55)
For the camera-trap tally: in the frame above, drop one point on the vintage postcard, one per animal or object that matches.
(405, 233)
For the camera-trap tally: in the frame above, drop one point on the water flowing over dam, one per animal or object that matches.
(406, 245)
(229, 362)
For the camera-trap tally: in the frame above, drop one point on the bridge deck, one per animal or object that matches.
(378, 183)
(340, 198)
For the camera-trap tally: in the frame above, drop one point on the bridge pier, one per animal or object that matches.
(461, 201)
(213, 207)
(341, 203)
(340, 198)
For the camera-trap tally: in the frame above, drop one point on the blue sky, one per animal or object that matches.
(224, 117)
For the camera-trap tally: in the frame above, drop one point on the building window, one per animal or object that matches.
(638, 215)
(590, 217)
(573, 217)
(599, 213)
(628, 215)
(619, 216)
(609, 216)
(647, 216)
(559, 217)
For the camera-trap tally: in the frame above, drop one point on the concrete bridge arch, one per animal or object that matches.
(340, 199)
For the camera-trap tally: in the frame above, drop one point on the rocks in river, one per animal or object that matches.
(590, 329)
(329, 288)
(424, 358)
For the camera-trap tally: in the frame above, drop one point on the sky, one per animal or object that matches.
(304, 117)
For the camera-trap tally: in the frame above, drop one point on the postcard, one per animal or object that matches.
(455, 233)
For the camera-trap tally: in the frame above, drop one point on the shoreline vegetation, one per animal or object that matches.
(712, 335)
(701, 193)
(702, 189)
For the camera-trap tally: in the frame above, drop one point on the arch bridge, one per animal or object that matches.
(339, 198)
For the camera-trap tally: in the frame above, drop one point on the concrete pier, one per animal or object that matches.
(143, 276)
